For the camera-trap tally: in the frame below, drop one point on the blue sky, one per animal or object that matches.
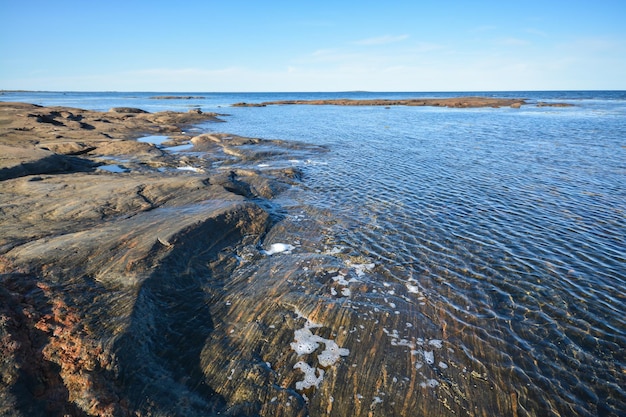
(321, 45)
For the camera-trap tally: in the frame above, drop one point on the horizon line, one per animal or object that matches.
(298, 92)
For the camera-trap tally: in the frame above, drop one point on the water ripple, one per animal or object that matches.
(511, 224)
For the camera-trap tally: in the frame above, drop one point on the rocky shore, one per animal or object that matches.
(139, 280)
(106, 275)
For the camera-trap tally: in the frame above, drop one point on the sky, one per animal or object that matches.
(299, 45)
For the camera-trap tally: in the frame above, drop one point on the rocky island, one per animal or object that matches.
(456, 102)
(177, 98)
(140, 280)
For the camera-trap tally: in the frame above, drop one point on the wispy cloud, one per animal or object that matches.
(381, 40)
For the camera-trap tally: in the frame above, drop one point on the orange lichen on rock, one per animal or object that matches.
(83, 362)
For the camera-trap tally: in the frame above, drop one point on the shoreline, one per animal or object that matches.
(35, 138)
(91, 259)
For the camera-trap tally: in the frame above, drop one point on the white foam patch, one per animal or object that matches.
(336, 249)
(279, 248)
(306, 343)
(310, 377)
(361, 269)
(331, 354)
(413, 289)
(436, 343)
(432, 383)
(341, 280)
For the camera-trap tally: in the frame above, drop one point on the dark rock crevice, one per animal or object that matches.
(51, 164)
(160, 351)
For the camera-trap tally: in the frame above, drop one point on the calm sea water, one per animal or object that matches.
(511, 221)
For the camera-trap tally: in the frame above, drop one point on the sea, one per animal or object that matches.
(511, 223)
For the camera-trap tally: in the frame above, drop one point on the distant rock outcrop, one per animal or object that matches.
(544, 104)
(177, 98)
(127, 110)
(454, 102)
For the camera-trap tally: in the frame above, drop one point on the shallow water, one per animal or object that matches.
(112, 168)
(496, 237)
(510, 223)
(154, 139)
